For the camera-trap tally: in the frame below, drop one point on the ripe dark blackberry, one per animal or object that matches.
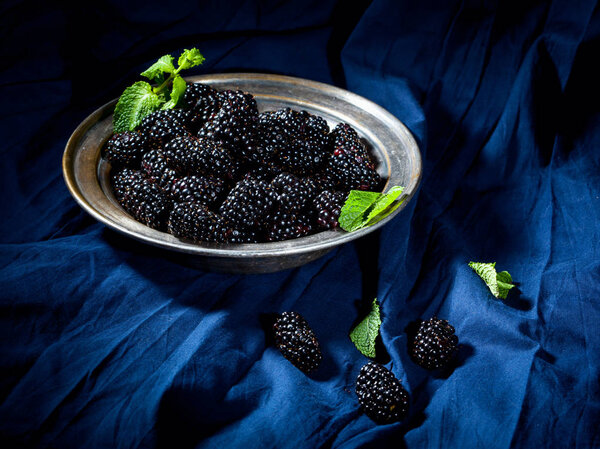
(122, 180)
(191, 155)
(202, 101)
(350, 164)
(194, 221)
(125, 149)
(143, 199)
(285, 225)
(156, 167)
(236, 120)
(293, 193)
(202, 189)
(380, 394)
(297, 139)
(297, 341)
(328, 206)
(163, 126)
(248, 203)
(434, 344)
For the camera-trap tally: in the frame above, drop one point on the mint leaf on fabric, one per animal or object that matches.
(156, 70)
(136, 102)
(176, 92)
(357, 204)
(498, 283)
(190, 58)
(364, 334)
(367, 208)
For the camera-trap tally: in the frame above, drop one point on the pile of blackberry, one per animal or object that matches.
(217, 170)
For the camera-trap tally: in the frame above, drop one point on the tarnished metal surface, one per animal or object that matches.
(397, 153)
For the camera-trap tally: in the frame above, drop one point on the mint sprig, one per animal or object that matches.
(141, 99)
(498, 283)
(364, 334)
(363, 209)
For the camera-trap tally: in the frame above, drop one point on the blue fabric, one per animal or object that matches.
(106, 343)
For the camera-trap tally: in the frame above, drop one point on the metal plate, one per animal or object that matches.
(397, 154)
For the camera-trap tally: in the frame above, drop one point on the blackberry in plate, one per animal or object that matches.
(196, 222)
(143, 199)
(285, 225)
(328, 206)
(292, 193)
(122, 180)
(156, 167)
(297, 341)
(202, 189)
(202, 101)
(380, 394)
(434, 344)
(125, 149)
(248, 203)
(236, 120)
(163, 126)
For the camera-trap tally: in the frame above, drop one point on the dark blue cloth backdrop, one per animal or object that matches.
(106, 343)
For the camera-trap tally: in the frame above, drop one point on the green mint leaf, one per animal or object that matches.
(176, 92)
(136, 102)
(367, 208)
(156, 70)
(498, 283)
(364, 334)
(357, 204)
(385, 205)
(190, 58)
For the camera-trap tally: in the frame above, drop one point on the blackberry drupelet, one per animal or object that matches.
(236, 120)
(328, 206)
(285, 225)
(248, 203)
(163, 126)
(292, 193)
(156, 167)
(196, 222)
(297, 341)
(202, 101)
(202, 189)
(434, 344)
(380, 394)
(126, 149)
(143, 199)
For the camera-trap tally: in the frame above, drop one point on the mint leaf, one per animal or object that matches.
(364, 334)
(498, 283)
(385, 205)
(352, 214)
(156, 70)
(190, 58)
(136, 102)
(367, 208)
(176, 93)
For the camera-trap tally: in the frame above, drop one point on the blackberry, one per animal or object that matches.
(202, 189)
(350, 163)
(434, 344)
(143, 199)
(202, 101)
(380, 394)
(248, 203)
(293, 193)
(192, 155)
(194, 221)
(285, 225)
(236, 120)
(125, 149)
(328, 206)
(163, 126)
(297, 139)
(322, 181)
(122, 180)
(156, 167)
(297, 341)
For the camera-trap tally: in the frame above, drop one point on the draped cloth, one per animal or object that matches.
(109, 343)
